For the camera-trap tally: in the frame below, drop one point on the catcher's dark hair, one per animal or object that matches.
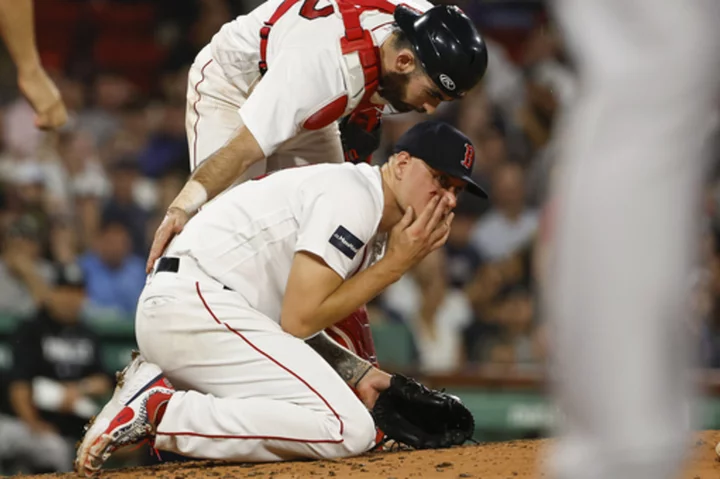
(400, 39)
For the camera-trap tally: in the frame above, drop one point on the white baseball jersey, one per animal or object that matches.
(248, 236)
(307, 70)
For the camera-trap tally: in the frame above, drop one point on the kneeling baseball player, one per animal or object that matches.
(234, 362)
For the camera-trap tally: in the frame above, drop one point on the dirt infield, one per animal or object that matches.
(507, 460)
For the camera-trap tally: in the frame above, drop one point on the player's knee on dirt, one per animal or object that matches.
(358, 433)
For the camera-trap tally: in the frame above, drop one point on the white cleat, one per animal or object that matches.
(129, 417)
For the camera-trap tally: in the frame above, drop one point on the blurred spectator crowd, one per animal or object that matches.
(78, 207)
(474, 306)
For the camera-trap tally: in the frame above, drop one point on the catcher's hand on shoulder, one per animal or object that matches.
(173, 223)
(423, 418)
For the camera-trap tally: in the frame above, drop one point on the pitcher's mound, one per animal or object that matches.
(507, 460)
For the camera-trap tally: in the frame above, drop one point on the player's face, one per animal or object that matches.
(422, 93)
(411, 92)
(392, 88)
(422, 183)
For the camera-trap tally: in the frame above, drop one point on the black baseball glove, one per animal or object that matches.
(422, 418)
(360, 135)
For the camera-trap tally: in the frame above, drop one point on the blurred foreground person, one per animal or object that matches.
(624, 225)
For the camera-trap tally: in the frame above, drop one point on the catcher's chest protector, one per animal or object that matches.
(354, 334)
(358, 49)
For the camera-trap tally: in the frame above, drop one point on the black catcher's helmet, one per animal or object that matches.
(447, 44)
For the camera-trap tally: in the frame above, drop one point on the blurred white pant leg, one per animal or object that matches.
(47, 450)
(627, 201)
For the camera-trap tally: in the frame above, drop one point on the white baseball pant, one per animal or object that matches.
(251, 392)
(625, 232)
(212, 119)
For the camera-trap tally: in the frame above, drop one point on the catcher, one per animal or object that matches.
(235, 364)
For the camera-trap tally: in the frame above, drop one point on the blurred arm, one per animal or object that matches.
(62, 243)
(95, 385)
(489, 280)
(89, 209)
(26, 350)
(22, 403)
(18, 30)
(39, 289)
(430, 276)
(23, 266)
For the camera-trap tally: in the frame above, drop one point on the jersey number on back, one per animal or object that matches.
(308, 10)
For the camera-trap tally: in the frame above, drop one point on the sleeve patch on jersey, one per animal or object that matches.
(346, 242)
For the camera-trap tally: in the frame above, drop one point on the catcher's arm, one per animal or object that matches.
(359, 374)
(208, 180)
(224, 167)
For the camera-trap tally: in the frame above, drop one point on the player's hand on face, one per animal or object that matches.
(44, 97)
(371, 386)
(411, 239)
(173, 223)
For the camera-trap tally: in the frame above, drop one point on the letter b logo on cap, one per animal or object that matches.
(469, 159)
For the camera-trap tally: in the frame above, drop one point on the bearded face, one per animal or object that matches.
(394, 87)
